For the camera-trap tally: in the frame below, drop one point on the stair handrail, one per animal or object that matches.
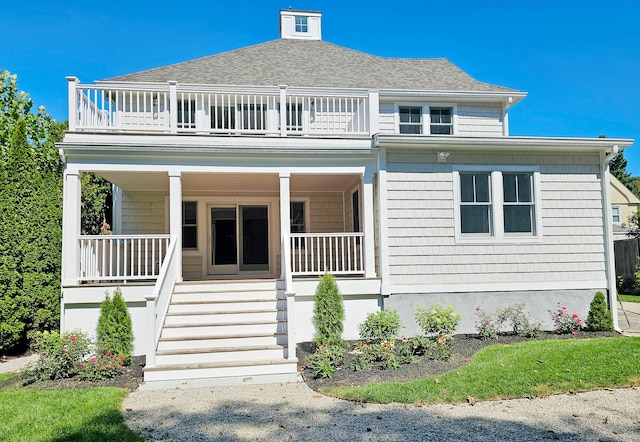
(158, 301)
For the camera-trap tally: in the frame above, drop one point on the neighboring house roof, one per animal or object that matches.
(315, 63)
(621, 194)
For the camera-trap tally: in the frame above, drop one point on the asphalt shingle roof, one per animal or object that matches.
(315, 63)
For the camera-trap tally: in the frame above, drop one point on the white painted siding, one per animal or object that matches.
(480, 120)
(422, 249)
(387, 118)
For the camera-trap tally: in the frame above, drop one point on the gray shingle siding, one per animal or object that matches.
(315, 64)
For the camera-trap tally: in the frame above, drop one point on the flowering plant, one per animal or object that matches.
(486, 326)
(565, 322)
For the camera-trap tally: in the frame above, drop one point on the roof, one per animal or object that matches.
(315, 63)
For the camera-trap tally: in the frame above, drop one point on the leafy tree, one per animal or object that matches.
(30, 218)
(618, 168)
(96, 203)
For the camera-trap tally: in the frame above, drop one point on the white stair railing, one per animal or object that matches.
(336, 253)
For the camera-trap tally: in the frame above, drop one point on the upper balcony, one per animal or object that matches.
(212, 110)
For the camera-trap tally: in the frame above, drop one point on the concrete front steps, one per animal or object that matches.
(223, 333)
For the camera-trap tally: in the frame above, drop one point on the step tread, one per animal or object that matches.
(246, 363)
(223, 301)
(190, 351)
(213, 337)
(222, 324)
(231, 312)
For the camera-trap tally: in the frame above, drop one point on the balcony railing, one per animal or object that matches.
(336, 253)
(222, 110)
(121, 257)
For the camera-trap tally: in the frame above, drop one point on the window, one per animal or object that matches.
(410, 120)
(475, 203)
(615, 211)
(355, 208)
(302, 24)
(189, 225)
(496, 205)
(441, 120)
(297, 217)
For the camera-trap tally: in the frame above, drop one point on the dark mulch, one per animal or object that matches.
(464, 347)
(130, 378)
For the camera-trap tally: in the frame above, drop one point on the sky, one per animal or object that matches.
(579, 61)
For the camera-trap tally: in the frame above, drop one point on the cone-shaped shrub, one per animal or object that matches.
(328, 313)
(114, 331)
(599, 318)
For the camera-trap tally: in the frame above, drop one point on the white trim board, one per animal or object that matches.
(492, 287)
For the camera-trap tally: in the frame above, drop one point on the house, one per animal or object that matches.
(624, 204)
(242, 177)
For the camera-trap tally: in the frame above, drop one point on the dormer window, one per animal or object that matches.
(441, 120)
(410, 120)
(302, 24)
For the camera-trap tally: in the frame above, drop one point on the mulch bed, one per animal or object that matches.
(464, 347)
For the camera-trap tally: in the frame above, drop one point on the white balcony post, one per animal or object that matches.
(374, 112)
(71, 228)
(73, 102)
(285, 229)
(369, 243)
(283, 110)
(175, 218)
(173, 107)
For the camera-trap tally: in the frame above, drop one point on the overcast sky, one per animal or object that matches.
(579, 61)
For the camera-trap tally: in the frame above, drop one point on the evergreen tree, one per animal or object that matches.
(328, 312)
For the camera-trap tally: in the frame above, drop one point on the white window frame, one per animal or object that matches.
(615, 209)
(426, 116)
(497, 234)
(301, 24)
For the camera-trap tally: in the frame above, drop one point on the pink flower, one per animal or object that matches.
(121, 358)
(564, 308)
(84, 364)
(574, 315)
(486, 321)
(573, 332)
(94, 359)
(72, 339)
(477, 309)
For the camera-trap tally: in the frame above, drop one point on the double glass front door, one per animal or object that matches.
(239, 239)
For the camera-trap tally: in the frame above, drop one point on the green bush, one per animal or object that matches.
(381, 325)
(520, 322)
(114, 330)
(328, 313)
(61, 356)
(599, 317)
(326, 358)
(437, 320)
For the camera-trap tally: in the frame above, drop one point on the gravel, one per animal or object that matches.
(295, 412)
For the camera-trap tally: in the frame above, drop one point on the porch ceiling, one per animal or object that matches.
(237, 182)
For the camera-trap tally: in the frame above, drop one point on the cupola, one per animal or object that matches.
(303, 25)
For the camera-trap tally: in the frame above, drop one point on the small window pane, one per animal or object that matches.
(189, 212)
(441, 130)
(189, 225)
(518, 219)
(466, 188)
(524, 188)
(297, 217)
(616, 214)
(483, 195)
(475, 219)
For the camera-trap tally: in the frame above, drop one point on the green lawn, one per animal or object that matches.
(629, 298)
(63, 415)
(535, 368)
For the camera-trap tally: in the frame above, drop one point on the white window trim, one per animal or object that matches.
(619, 215)
(499, 235)
(426, 116)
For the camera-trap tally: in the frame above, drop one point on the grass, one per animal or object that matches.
(629, 298)
(63, 415)
(528, 369)
(6, 376)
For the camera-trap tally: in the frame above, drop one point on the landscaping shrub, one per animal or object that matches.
(486, 325)
(61, 356)
(328, 313)
(114, 330)
(599, 317)
(565, 322)
(438, 324)
(520, 322)
(381, 325)
(326, 358)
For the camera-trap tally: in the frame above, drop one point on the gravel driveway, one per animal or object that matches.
(295, 412)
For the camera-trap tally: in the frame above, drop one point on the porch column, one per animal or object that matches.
(368, 228)
(175, 217)
(71, 228)
(285, 230)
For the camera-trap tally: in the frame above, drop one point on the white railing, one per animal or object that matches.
(336, 253)
(172, 108)
(121, 257)
(158, 302)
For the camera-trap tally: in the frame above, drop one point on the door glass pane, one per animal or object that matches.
(223, 232)
(255, 238)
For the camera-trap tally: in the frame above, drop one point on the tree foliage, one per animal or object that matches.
(114, 331)
(328, 313)
(618, 168)
(96, 203)
(30, 218)
(599, 317)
